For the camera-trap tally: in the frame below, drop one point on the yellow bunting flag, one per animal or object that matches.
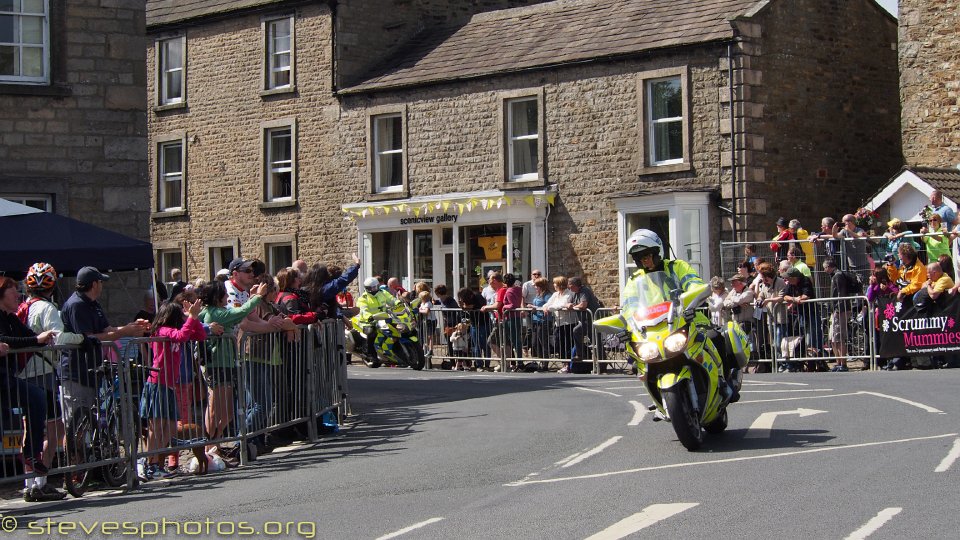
(529, 200)
(416, 212)
(445, 205)
(460, 208)
(386, 210)
(551, 197)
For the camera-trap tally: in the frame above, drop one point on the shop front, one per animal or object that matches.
(453, 239)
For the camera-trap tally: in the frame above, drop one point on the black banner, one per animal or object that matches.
(931, 329)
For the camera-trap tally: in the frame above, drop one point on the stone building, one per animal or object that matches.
(930, 82)
(72, 122)
(457, 137)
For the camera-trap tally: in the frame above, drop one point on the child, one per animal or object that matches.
(460, 341)
(158, 404)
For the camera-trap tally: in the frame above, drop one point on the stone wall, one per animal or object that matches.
(820, 109)
(592, 150)
(82, 139)
(368, 31)
(223, 126)
(930, 82)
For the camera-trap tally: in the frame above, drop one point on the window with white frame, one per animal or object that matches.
(40, 202)
(170, 178)
(279, 151)
(279, 256)
(665, 121)
(279, 53)
(523, 138)
(219, 256)
(25, 41)
(171, 79)
(388, 152)
(168, 259)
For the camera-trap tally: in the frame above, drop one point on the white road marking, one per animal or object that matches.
(641, 520)
(730, 460)
(634, 387)
(592, 452)
(413, 527)
(741, 402)
(951, 457)
(785, 391)
(597, 391)
(761, 427)
(773, 383)
(640, 410)
(566, 459)
(902, 400)
(875, 523)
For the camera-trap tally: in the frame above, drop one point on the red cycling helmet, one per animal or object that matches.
(41, 276)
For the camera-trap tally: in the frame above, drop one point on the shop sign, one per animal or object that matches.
(420, 220)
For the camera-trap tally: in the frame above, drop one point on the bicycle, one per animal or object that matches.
(94, 434)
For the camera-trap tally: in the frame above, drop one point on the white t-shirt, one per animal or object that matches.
(44, 315)
(236, 297)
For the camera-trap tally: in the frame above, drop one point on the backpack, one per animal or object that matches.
(23, 311)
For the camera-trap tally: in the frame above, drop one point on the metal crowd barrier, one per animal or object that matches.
(798, 339)
(246, 387)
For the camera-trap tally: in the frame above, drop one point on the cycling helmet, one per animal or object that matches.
(643, 241)
(372, 285)
(42, 276)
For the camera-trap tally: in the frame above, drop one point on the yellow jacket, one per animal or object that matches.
(807, 247)
(910, 280)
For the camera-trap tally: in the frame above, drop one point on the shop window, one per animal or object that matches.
(167, 260)
(24, 41)
(423, 257)
(171, 72)
(658, 222)
(520, 250)
(279, 54)
(387, 253)
(665, 117)
(486, 250)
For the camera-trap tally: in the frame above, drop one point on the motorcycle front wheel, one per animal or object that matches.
(685, 420)
(415, 357)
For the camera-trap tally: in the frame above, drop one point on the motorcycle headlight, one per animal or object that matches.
(675, 342)
(649, 351)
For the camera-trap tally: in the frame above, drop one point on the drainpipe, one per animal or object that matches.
(733, 141)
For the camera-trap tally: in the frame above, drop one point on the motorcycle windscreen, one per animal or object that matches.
(646, 299)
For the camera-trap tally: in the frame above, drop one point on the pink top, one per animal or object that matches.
(167, 356)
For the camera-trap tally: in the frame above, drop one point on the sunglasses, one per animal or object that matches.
(247, 271)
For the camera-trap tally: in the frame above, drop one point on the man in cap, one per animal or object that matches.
(243, 276)
(82, 314)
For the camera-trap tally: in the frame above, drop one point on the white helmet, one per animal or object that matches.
(642, 240)
(372, 285)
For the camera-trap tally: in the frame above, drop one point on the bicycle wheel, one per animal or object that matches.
(112, 445)
(80, 436)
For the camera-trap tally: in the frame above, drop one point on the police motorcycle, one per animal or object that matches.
(395, 334)
(691, 369)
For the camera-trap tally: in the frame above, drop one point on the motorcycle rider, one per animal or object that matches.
(646, 249)
(373, 300)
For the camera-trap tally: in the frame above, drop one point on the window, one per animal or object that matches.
(665, 135)
(279, 54)
(169, 259)
(279, 181)
(388, 152)
(40, 202)
(523, 138)
(387, 253)
(171, 80)
(218, 257)
(279, 256)
(666, 121)
(24, 41)
(170, 188)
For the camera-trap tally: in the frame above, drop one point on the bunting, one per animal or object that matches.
(459, 205)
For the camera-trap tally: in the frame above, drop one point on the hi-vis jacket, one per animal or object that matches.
(682, 273)
(371, 304)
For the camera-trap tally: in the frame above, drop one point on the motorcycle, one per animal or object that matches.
(691, 369)
(401, 341)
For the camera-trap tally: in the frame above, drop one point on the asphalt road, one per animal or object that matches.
(468, 455)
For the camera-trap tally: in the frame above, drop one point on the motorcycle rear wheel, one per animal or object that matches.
(685, 420)
(718, 425)
(415, 357)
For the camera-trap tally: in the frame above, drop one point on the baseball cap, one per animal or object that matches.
(738, 277)
(793, 272)
(239, 264)
(782, 222)
(88, 274)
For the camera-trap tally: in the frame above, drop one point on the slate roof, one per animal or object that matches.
(164, 12)
(946, 180)
(553, 33)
